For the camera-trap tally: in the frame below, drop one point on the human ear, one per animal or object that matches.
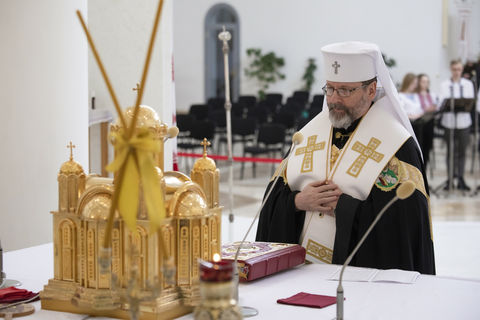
(372, 90)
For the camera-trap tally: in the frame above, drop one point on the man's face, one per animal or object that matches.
(456, 70)
(345, 110)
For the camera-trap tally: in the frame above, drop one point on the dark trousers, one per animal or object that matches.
(461, 138)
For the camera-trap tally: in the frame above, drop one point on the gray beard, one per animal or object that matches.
(343, 122)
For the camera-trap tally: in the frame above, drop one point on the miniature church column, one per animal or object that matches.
(206, 174)
(71, 183)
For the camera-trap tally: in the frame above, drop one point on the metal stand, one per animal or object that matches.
(449, 182)
(225, 36)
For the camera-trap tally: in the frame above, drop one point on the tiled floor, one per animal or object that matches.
(455, 216)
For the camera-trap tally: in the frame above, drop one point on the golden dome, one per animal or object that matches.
(147, 117)
(71, 167)
(204, 163)
(95, 202)
(191, 204)
(97, 207)
(189, 200)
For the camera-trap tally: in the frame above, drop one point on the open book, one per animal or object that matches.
(376, 275)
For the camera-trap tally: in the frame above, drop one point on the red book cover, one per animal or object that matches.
(260, 259)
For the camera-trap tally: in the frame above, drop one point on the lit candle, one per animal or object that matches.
(217, 270)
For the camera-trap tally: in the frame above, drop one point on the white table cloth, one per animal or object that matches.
(429, 298)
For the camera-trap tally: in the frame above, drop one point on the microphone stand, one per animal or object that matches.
(225, 36)
(249, 311)
(403, 192)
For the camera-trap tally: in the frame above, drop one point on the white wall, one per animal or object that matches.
(409, 31)
(43, 101)
(121, 31)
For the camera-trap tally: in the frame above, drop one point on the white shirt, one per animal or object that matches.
(411, 104)
(461, 89)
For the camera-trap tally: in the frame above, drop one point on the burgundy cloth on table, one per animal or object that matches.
(309, 300)
(12, 294)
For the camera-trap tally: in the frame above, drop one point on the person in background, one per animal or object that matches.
(429, 103)
(411, 105)
(460, 123)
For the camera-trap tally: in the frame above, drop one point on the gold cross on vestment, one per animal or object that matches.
(308, 150)
(336, 66)
(366, 152)
(71, 146)
(205, 143)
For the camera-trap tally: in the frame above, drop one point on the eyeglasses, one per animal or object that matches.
(342, 92)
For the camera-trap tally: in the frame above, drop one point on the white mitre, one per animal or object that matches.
(355, 61)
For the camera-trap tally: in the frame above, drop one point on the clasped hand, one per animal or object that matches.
(321, 196)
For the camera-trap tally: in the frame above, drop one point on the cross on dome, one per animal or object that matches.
(71, 146)
(205, 143)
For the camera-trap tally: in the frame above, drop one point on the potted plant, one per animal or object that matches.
(309, 74)
(264, 68)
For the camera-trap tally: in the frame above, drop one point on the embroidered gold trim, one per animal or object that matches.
(366, 152)
(412, 173)
(319, 252)
(308, 150)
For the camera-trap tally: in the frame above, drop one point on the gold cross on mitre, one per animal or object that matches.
(71, 146)
(366, 152)
(205, 143)
(308, 150)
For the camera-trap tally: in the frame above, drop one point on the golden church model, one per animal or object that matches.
(191, 231)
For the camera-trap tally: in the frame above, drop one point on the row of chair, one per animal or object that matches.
(268, 139)
(261, 127)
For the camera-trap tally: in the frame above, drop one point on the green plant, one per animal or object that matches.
(264, 68)
(389, 62)
(309, 75)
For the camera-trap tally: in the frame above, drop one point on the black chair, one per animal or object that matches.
(274, 101)
(260, 112)
(301, 96)
(199, 111)
(216, 103)
(286, 118)
(294, 106)
(184, 124)
(270, 140)
(318, 99)
(243, 131)
(247, 101)
(220, 120)
(198, 131)
(238, 110)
